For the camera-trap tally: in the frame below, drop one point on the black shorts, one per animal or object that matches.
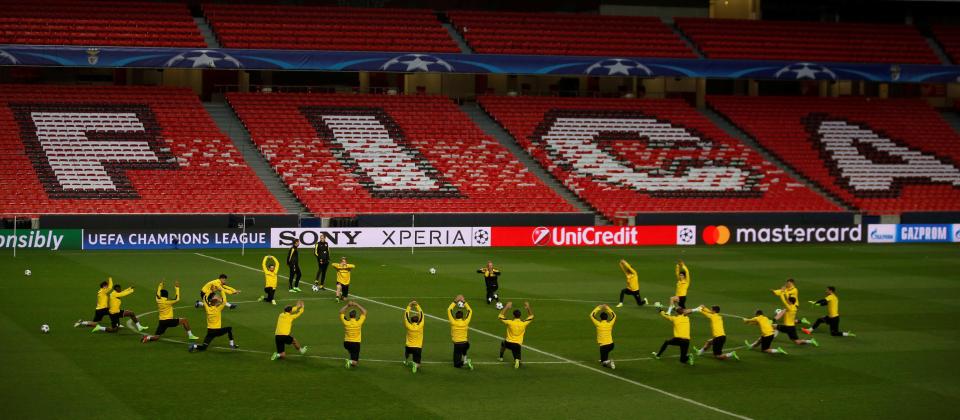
(717, 344)
(412, 351)
(115, 319)
(353, 348)
(100, 313)
(166, 323)
(765, 342)
(282, 340)
(344, 290)
(682, 301)
(514, 348)
(791, 331)
(605, 352)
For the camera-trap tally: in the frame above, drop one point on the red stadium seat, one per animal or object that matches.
(625, 156)
(949, 39)
(119, 150)
(807, 41)
(344, 155)
(854, 148)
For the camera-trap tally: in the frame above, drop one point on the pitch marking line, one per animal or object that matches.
(534, 349)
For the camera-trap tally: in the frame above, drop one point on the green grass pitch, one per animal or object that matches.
(902, 301)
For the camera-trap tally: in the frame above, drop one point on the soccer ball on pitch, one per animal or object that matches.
(27, 272)
(44, 328)
(778, 311)
(316, 288)
(433, 270)
(499, 305)
(460, 304)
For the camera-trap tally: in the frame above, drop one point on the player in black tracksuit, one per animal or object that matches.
(322, 252)
(490, 276)
(293, 261)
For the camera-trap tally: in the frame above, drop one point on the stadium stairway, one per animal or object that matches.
(207, 32)
(686, 40)
(952, 117)
(230, 125)
(489, 126)
(725, 125)
(462, 43)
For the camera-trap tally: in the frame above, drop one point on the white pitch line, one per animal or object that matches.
(534, 349)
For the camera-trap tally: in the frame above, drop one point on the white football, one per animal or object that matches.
(45, 328)
(779, 310)
(316, 288)
(460, 304)
(433, 270)
(27, 272)
(499, 305)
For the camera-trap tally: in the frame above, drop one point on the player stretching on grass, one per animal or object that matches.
(270, 267)
(352, 324)
(116, 313)
(293, 261)
(718, 335)
(215, 328)
(165, 309)
(103, 295)
(343, 278)
(491, 278)
(282, 334)
(413, 323)
(789, 317)
(832, 302)
(322, 252)
(603, 318)
(681, 335)
(633, 285)
(683, 283)
(516, 328)
(766, 334)
(217, 284)
(459, 314)
(788, 290)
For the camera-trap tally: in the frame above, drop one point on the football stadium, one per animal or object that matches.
(479, 209)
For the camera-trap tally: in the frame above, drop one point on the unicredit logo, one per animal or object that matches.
(716, 235)
(540, 236)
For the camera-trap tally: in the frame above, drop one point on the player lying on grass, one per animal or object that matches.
(270, 267)
(459, 313)
(766, 333)
(603, 319)
(681, 335)
(352, 324)
(215, 328)
(789, 321)
(682, 274)
(343, 278)
(491, 280)
(718, 335)
(165, 311)
(413, 323)
(516, 328)
(832, 302)
(221, 285)
(282, 335)
(116, 312)
(633, 285)
(103, 295)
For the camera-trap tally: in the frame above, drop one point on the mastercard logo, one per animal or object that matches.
(716, 235)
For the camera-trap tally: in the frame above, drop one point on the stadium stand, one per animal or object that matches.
(949, 39)
(348, 154)
(808, 41)
(98, 23)
(882, 156)
(568, 34)
(625, 156)
(119, 150)
(328, 28)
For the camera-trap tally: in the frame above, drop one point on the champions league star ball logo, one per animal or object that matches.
(204, 59)
(416, 62)
(805, 71)
(7, 58)
(481, 237)
(618, 66)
